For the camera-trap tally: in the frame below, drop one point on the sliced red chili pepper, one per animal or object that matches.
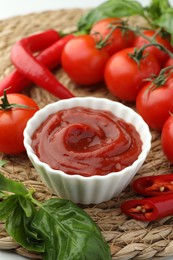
(50, 57)
(149, 209)
(154, 185)
(34, 70)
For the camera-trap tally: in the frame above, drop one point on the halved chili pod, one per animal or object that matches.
(154, 185)
(149, 209)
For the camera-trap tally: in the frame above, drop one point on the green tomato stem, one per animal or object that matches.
(5, 105)
(113, 26)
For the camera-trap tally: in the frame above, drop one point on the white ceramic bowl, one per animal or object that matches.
(94, 189)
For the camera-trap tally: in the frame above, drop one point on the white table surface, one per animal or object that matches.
(9, 8)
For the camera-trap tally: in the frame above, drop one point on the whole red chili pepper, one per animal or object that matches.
(50, 57)
(46, 38)
(149, 209)
(154, 185)
(34, 70)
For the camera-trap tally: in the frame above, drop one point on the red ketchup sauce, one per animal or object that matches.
(87, 142)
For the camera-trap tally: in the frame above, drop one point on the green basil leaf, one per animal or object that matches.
(157, 8)
(111, 8)
(27, 206)
(18, 225)
(7, 206)
(164, 5)
(165, 21)
(12, 186)
(69, 233)
(57, 228)
(3, 195)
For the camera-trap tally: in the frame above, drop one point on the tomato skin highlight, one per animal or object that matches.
(124, 77)
(13, 122)
(83, 62)
(160, 55)
(155, 105)
(167, 139)
(119, 39)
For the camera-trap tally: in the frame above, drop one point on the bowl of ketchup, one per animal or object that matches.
(87, 149)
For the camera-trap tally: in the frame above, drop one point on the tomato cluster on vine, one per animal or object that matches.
(132, 62)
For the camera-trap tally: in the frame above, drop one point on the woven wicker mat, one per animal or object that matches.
(128, 239)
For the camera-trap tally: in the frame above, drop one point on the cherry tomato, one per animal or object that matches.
(167, 139)
(119, 38)
(124, 76)
(83, 62)
(13, 122)
(154, 104)
(160, 55)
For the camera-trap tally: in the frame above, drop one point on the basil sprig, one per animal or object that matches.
(56, 228)
(110, 8)
(158, 13)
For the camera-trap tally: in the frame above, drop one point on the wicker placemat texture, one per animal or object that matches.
(128, 239)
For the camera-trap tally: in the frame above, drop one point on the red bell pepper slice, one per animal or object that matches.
(149, 209)
(154, 185)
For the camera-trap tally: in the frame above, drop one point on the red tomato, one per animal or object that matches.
(124, 76)
(169, 62)
(118, 40)
(160, 55)
(83, 62)
(13, 122)
(167, 139)
(155, 104)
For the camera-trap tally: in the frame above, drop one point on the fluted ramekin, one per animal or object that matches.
(94, 189)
